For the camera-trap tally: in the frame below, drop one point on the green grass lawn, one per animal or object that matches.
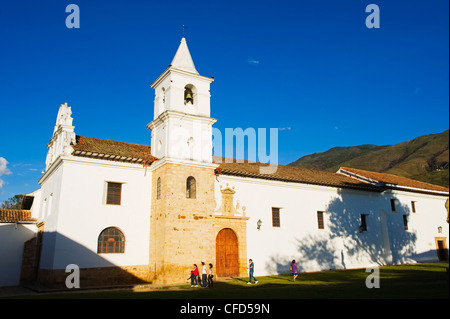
(428, 280)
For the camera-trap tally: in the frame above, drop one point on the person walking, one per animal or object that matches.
(294, 269)
(204, 282)
(194, 275)
(251, 268)
(210, 276)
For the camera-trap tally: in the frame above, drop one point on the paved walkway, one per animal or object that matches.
(18, 291)
(15, 291)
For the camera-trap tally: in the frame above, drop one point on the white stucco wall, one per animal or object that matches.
(79, 213)
(423, 225)
(12, 238)
(341, 244)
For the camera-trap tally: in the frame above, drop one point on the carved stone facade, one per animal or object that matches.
(63, 136)
(228, 215)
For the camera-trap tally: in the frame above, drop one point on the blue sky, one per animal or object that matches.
(311, 68)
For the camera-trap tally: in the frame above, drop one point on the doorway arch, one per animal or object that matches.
(227, 255)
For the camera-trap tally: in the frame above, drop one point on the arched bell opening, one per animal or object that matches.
(189, 94)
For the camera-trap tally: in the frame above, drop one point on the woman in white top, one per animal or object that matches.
(204, 283)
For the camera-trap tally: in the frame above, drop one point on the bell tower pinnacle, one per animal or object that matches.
(182, 126)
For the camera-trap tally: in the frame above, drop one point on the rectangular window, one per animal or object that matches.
(363, 226)
(320, 223)
(275, 217)
(413, 206)
(114, 193)
(393, 204)
(405, 221)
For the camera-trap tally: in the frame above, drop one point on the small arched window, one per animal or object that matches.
(190, 187)
(111, 241)
(158, 188)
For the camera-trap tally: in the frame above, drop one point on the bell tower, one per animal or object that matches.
(182, 209)
(182, 126)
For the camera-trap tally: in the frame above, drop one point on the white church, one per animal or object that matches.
(127, 213)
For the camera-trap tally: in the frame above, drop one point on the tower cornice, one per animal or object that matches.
(171, 69)
(180, 116)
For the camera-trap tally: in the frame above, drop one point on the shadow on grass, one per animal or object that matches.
(396, 282)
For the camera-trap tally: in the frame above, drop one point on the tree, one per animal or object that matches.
(14, 202)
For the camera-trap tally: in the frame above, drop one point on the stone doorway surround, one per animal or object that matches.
(232, 216)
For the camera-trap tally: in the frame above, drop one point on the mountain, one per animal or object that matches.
(425, 158)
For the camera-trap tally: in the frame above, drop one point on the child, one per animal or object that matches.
(294, 269)
(194, 275)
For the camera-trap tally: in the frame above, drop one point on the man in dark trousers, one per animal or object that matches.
(251, 268)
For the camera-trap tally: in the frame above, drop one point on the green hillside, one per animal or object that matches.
(426, 158)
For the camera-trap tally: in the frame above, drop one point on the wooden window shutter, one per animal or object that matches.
(114, 193)
(320, 222)
(275, 217)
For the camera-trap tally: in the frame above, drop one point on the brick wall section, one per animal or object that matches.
(182, 229)
(97, 277)
(27, 273)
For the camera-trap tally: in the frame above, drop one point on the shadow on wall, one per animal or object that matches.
(12, 237)
(346, 243)
(59, 251)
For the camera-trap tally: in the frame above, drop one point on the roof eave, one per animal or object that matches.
(370, 188)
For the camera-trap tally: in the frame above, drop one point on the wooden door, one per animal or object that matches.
(227, 257)
(441, 248)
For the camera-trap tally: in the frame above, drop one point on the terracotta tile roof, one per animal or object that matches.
(292, 174)
(136, 153)
(15, 215)
(384, 178)
(112, 150)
